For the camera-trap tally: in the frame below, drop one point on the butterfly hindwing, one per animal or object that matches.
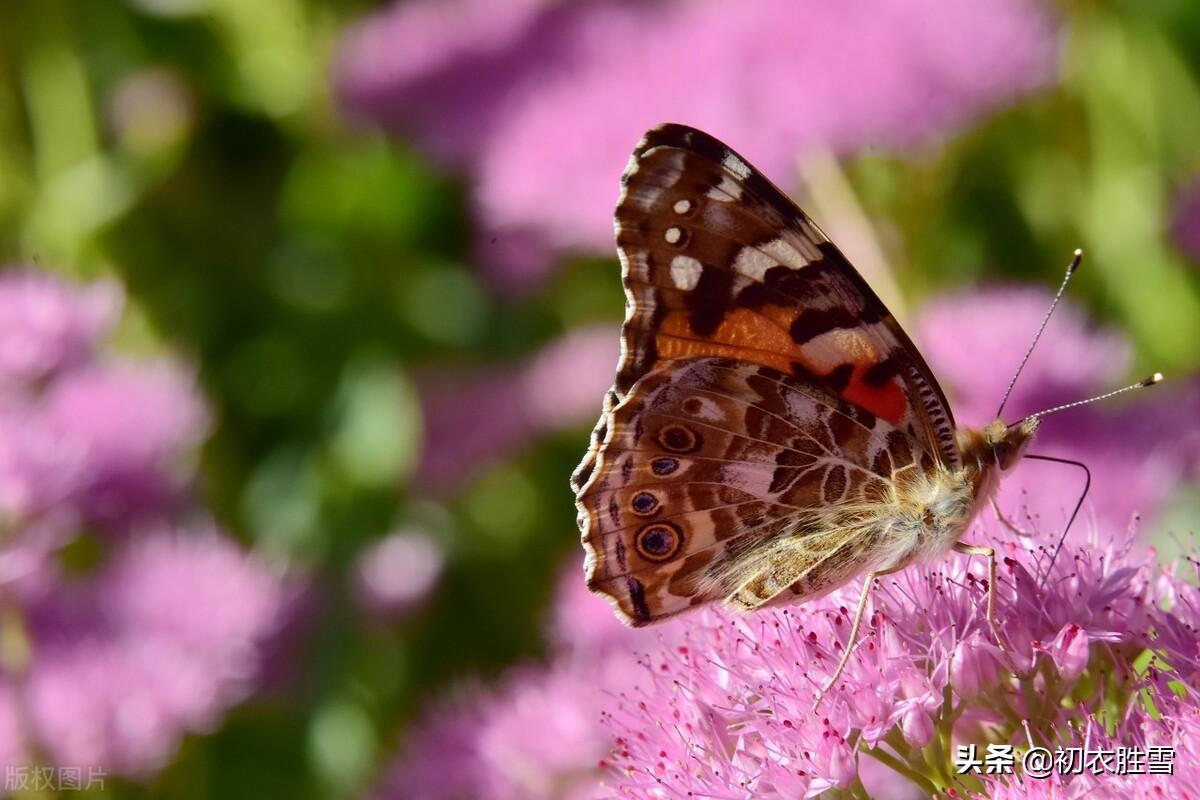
(716, 472)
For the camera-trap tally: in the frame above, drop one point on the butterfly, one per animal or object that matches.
(772, 433)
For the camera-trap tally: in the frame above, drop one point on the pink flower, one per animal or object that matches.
(536, 734)
(974, 341)
(398, 572)
(535, 98)
(161, 642)
(727, 712)
(129, 422)
(442, 762)
(47, 324)
(116, 664)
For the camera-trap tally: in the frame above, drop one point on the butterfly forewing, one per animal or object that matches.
(721, 268)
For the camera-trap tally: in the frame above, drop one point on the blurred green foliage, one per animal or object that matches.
(192, 148)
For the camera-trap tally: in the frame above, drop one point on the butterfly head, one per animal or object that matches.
(1007, 442)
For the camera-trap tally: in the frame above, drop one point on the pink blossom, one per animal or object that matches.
(442, 762)
(735, 697)
(47, 324)
(117, 663)
(543, 102)
(39, 466)
(582, 622)
(538, 732)
(974, 341)
(124, 413)
(165, 638)
(129, 422)
(396, 573)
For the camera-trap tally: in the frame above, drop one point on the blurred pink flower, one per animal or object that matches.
(129, 422)
(583, 623)
(47, 324)
(543, 102)
(442, 762)
(538, 733)
(101, 438)
(167, 631)
(470, 419)
(127, 413)
(165, 638)
(395, 574)
(39, 466)
(1139, 448)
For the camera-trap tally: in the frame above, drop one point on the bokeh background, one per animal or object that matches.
(310, 306)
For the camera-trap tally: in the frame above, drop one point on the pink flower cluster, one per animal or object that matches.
(130, 620)
(542, 102)
(1094, 647)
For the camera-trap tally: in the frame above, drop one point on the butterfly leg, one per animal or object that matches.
(990, 553)
(853, 638)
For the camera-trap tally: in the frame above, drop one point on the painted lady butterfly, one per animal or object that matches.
(772, 432)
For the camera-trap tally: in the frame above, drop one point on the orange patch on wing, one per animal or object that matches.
(887, 401)
(742, 334)
(762, 337)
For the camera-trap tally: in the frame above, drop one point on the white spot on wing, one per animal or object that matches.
(835, 347)
(682, 206)
(672, 235)
(753, 263)
(735, 165)
(685, 272)
(785, 253)
(727, 191)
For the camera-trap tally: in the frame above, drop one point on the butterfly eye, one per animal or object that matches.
(659, 542)
(664, 466)
(678, 439)
(644, 503)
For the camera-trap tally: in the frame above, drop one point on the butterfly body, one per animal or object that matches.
(772, 432)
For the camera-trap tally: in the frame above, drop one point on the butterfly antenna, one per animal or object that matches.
(1074, 265)
(1142, 384)
(1087, 485)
